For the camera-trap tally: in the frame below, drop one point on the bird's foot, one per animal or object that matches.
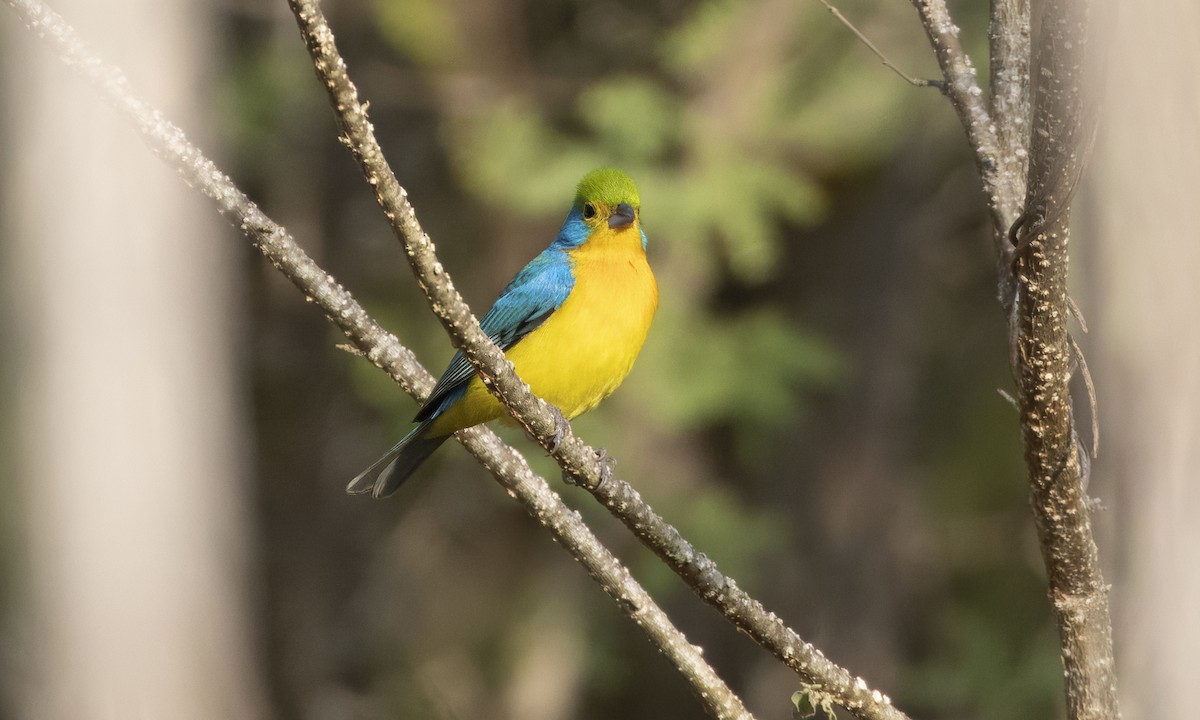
(560, 429)
(606, 467)
(606, 472)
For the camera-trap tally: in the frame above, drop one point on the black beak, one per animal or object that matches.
(622, 217)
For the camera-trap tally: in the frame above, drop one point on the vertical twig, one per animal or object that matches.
(998, 155)
(1008, 40)
(1060, 142)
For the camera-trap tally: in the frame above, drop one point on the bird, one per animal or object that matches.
(572, 322)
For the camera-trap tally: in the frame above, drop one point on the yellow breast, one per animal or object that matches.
(583, 351)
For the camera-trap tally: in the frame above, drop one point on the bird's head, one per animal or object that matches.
(606, 204)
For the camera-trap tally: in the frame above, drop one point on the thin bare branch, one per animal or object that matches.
(916, 82)
(1008, 38)
(999, 157)
(1077, 314)
(169, 143)
(962, 86)
(1008, 43)
(576, 458)
(1093, 403)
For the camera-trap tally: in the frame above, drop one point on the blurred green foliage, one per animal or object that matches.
(422, 29)
(264, 94)
(735, 535)
(749, 371)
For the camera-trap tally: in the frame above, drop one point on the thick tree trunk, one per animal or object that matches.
(130, 450)
(1149, 354)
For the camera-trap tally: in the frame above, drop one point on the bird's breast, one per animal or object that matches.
(586, 348)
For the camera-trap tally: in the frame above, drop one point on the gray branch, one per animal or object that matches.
(1008, 36)
(170, 144)
(999, 167)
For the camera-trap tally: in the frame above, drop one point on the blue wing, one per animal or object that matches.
(528, 299)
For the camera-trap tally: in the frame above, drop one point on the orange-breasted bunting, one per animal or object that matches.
(572, 322)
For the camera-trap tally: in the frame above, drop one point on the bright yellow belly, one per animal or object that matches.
(583, 351)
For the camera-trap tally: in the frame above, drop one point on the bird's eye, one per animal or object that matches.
(589, 211)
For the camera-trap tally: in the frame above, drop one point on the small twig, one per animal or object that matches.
(1008, 40)
(1077, 314)
(1000, 168)
(1093, 404)
(916, 82)
(961, 85)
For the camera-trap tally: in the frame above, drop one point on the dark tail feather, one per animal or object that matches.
(400, 462)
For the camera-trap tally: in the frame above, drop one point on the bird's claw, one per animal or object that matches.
(606, 467)
(606, 472)
(560, 429)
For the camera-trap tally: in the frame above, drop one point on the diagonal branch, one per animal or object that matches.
(576, 458)
(170, 144)
(915, 82)
(961, 86)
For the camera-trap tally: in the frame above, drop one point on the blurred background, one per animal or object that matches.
(816, 407)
